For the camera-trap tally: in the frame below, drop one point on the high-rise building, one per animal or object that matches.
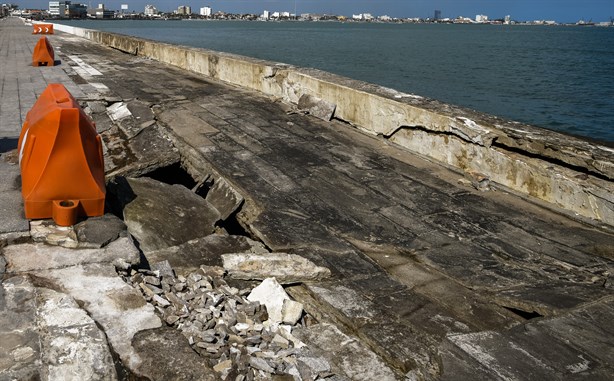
(184, 10)
(508, 19)
(266, 15)
(76, 10)
(205, 11)
(437, 14)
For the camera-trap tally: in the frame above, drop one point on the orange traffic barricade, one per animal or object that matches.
(43, 53)
(61, 160)
(42, 28)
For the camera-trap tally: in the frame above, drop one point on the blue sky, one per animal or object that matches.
(559, 10)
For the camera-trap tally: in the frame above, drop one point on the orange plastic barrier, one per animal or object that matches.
(60, 155)
(42, 28)
(43, 53)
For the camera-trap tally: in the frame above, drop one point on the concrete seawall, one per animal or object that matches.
(570, 173)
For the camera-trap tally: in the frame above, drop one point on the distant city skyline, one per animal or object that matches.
(526, 10)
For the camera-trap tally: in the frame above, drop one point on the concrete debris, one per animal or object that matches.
(118, 111)
(317, 107)
(240, 338)
(48, 232)
(272, 295)
(285, 268)
(291, 311)
(93, 232)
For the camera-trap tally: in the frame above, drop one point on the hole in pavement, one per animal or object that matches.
(176, 174)
(172, 174)
(524, 314)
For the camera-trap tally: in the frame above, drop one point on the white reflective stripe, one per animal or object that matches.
(23, 145)
(88, 69)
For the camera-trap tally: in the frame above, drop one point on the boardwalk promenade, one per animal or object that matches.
(437, 275)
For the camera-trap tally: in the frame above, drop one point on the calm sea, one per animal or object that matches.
(561, 78)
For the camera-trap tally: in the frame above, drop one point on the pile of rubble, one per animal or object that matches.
(245, 334)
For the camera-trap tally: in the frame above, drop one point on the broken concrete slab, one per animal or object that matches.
(118, 111)
(224, 198)
(159, 215)
(285, 268)
(350, 356)
(272, 295)
(36, 256)
(71, 342)
(208, 250)
(119, 309)
(167, 355)
(317, 107)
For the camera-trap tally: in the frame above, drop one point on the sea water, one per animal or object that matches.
(556, 77)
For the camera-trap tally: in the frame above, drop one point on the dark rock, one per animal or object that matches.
(163, 269)
(97, 232)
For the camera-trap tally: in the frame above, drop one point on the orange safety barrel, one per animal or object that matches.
(61, 160)
(43, 53)
(42, 28)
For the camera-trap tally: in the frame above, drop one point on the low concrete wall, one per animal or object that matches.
(570, 173)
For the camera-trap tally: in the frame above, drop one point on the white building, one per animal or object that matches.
(205, 11)
(363, 16)
(481, 18)
(151, 10)
(507, 20)
(266, 15)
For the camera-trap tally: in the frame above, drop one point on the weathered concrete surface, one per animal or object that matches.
(573, 174)
(28, 257)
(13, 224)
(417, 257)
(357, 362)
(19, 338)
(184, 364)
(72, 344)
(118, 308)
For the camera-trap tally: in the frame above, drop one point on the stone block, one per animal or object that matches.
(291, 312)
(285, 268)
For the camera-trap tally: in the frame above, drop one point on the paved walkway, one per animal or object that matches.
(439, 279)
